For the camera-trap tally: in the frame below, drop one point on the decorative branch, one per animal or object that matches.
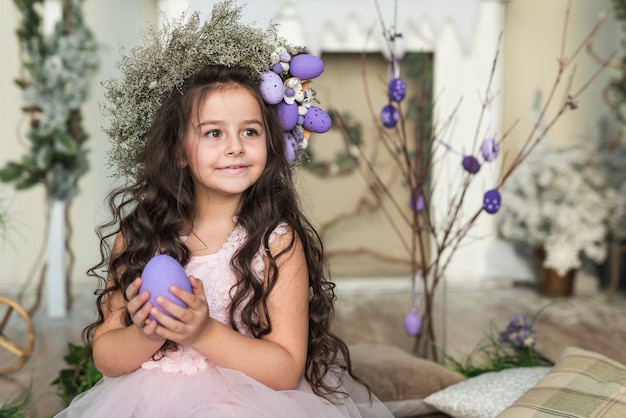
(437, 236)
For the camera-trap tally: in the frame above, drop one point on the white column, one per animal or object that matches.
(56, 268)
(52, 14)
(56, 287)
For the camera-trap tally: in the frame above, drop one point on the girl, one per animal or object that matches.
(213, 188)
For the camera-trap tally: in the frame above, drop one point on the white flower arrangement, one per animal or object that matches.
(564, 201)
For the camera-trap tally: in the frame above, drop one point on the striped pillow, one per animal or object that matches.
(581, 384)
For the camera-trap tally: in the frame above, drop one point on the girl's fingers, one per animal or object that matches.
(186, 322)
(150, 326)
(133, 288)
(196, 299)
(197, 286)
(174, 309)
(135, 303)
(167, 325)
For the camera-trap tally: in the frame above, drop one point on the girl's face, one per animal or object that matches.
(225, 145)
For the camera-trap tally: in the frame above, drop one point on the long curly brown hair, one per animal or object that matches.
(157, 207)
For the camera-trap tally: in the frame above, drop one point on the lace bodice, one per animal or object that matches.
(218, 278)
(216, 274)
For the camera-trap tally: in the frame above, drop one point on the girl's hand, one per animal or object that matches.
(186, 325)
(139, 308)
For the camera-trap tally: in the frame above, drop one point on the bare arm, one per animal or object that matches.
(119, 349)
(277, 359)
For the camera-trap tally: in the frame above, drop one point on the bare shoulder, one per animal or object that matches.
(283, 238)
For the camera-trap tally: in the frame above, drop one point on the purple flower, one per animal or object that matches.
(519, 332)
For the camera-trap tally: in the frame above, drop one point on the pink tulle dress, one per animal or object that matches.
(184, 384)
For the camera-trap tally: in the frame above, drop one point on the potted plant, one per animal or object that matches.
(561, 203)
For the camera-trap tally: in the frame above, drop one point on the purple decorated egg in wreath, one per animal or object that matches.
(287, 114)
(317, 120)
(306, 66)
(271, 87)
(291, 147)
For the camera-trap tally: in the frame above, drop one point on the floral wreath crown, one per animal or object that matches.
(183, 47)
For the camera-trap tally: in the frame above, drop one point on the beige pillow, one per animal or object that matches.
(581, 384)
(400, 379)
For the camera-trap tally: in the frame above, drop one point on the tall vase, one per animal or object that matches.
(549, 282)
(56, 269)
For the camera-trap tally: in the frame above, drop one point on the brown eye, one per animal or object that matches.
(213, 133)
(251, 132)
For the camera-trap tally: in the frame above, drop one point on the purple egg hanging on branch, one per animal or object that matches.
(492, 201)
(413, 320)
(471, 164)
(412, 323)
(417, 202)
(490, 149)
(389, 116)
(397, 89)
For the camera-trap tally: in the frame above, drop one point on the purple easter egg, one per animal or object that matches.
(278, 68)
(287, 114)
(298, 134)
(389, 116)
(306, 66)
(161, 272)
(416, 201)
(291, 147)
(412, 324)
(490, 149)
(316, 120)
(471, 164)
(492, 201)
(397, 89)
(271, 86)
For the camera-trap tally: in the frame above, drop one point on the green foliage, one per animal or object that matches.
(510, 348)
(17, 407)
(81, 376)
(57, 69)
(490, 355)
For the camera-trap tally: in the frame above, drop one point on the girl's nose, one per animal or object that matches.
(234, 146)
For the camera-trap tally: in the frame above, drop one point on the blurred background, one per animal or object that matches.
(454, 42)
